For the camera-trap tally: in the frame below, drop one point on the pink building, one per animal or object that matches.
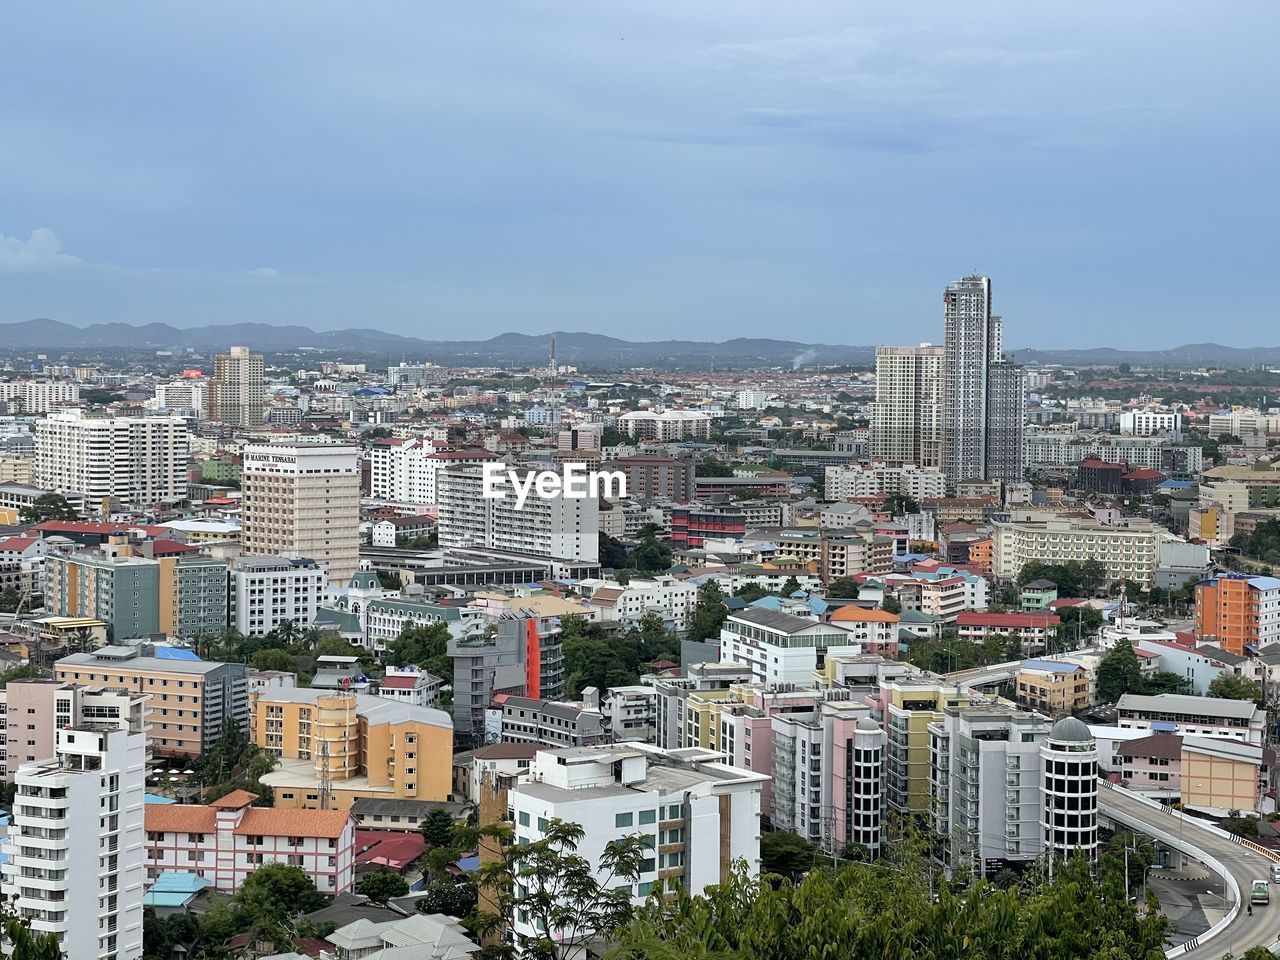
(33, 711)
(1151, 765)
(228, 839)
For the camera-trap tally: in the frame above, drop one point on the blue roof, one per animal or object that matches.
(1176, 485)
(1051, 666)
(174, 889)
(175, 653)
(156, 798)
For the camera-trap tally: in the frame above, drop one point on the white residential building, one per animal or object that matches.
(985, 780)
(227, 840)
(666, 425)
(1129, 551)
(559, 526)
(630, 713)
(1149, 453)
(183, 397)
(751, 399)
(779, 647)
(405, 470)
(76, 841)
(700, 815)
(266, 591)
(669, 597)
(1150, 423)
(39, 396)
(303, 500)
(410, 685)
(881, 480)
(139, 460)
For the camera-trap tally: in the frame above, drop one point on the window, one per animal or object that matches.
(524, 818)
(648, 816)
(622, 820)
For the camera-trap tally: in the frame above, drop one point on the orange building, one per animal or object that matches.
(361, 745)
(1236, 611)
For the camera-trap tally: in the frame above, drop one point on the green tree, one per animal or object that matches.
(273, 660)
(891, 605)
(382, 885)
(652, 556)
(274, 894)
(842, 588)
(1119, 672)
(711, 467)
(790, 587)
(1232, 686)
(709, 612)
(426, 646)
(23, 944)
(786, 854)
(10, 599)
(448, 897)
(750, 592)
(1093, 574)
(613, 553)
(571, 899)
(47, 506)
(437, 828)
(23, 671)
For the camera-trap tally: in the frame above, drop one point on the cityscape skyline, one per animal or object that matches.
(738, 170)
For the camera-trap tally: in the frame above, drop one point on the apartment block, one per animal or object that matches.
(264, 592)
(237, 390)
(35, 710)
(191, 700)
(76, 839)
(1128, 550)
(779, 647)
(880, 479)
(700, 815)
(360, 745)
(1236, 611)
(404, 470)
(906, 414)
(558, 526)
(227, 840)
(985, 782)
(137, 460)
(665, 425)
(121, 591)
(671, 598)
(303, 500)
(550, 723)
(39, 396)
(906, 707)
(656, 478)
(521, 655)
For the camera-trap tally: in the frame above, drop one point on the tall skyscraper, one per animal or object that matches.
(237, 388)
(981, 428)
(907, 409)
(303, 500)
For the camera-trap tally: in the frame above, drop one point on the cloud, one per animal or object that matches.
(263, 273)
(41, 251)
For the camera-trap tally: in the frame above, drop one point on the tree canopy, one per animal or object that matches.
(593, 657)
(47, 506)
(708, 613)
(842, 588)
(1232, 686)
(382, 885)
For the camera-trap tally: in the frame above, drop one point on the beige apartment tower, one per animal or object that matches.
(303, 500)
(238, 388)
(907, 410)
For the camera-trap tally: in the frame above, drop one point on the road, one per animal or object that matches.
(1241, 863)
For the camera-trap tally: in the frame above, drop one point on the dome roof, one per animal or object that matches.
(867, 724)
(1070, 730)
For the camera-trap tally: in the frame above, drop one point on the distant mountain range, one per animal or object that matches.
(589, 350)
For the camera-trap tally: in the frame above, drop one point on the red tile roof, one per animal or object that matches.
(389, 848)
(269, 822)
(17, 544)
(235, 800)
(400, 683)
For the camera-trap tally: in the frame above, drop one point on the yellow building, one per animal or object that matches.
(369, 746)
(1221, 775)
(1058, 689)
(907, 707)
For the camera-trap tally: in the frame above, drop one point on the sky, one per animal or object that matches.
(812, 171)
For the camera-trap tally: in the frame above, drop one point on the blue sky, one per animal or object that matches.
(813, 171)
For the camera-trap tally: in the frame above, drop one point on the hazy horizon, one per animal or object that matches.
(646, 171)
